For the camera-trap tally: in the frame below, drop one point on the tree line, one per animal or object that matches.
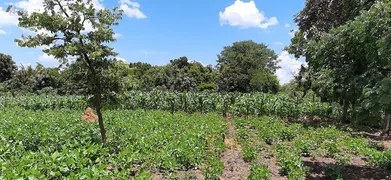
(245, 66)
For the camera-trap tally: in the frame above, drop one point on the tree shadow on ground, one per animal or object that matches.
(354, 129)
(350, 171)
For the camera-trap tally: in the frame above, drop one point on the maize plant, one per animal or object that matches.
(256, 104)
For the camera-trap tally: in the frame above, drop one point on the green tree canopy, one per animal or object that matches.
(236, 64)
(7, 67)
(355, 55)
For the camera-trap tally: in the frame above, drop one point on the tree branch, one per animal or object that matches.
(62, 9)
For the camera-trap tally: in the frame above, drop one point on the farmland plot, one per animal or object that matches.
(280, 150)
(55, 144)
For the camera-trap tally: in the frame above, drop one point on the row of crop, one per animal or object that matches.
(56, 145)
(269, 137)
(44, 102)
(258, 104)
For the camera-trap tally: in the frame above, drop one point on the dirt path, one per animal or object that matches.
(235, 167)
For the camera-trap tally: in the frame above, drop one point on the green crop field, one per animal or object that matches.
(43, 138)
(80, 105)
(55, 144)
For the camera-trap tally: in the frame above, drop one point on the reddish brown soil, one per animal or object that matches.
(89, 116)
(387, 145)
(235, 167)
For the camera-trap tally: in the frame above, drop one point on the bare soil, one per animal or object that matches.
(235, 167)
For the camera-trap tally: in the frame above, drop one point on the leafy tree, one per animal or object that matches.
(237, 62)
(351, 67)
(123, 77)
(7, 67)
(316, 19)
(140, 68)
(264, 81)
(21, 80)
(45, 77)
(155, 77)
(320, 16)
(60, 27)
(180, 63)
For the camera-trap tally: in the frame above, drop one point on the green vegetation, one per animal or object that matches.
(346, 45)
(259, 172)
(55, 144)
(267, 137)
(258, 104)
(170, 120)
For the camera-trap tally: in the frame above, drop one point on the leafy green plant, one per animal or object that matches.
(334, 171)
(51, 144)
(259, 172)
(258, 104)
(249, 152)
(380, 159)
(291, 164)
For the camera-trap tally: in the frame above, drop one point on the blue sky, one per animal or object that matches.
(157, 31)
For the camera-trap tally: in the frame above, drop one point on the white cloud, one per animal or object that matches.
(30, 5)
(292, 33)
(88, 27)
(289, 67)
(122, 59)
(131, 9)
(47, 58)
(2, 32)
(287, 25)
(7, 19)
(279, 43)
(118, 35)
(245, 15)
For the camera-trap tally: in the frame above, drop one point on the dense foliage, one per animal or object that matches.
(346, 45)
(242, 104)
(7, 67)
(55, 144)
(247, 66)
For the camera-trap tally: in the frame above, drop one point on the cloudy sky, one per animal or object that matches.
(156, 31)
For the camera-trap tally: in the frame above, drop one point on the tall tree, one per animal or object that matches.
(7, 67)
(316, 19)
(60, 27)
(351, 67)
(320, 16)
(237, 63)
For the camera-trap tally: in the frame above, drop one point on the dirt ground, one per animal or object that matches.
(235, 167)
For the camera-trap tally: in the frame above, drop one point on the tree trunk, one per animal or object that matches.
(387, 120)
(98, 101)
(345, 111)
(354, 117)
